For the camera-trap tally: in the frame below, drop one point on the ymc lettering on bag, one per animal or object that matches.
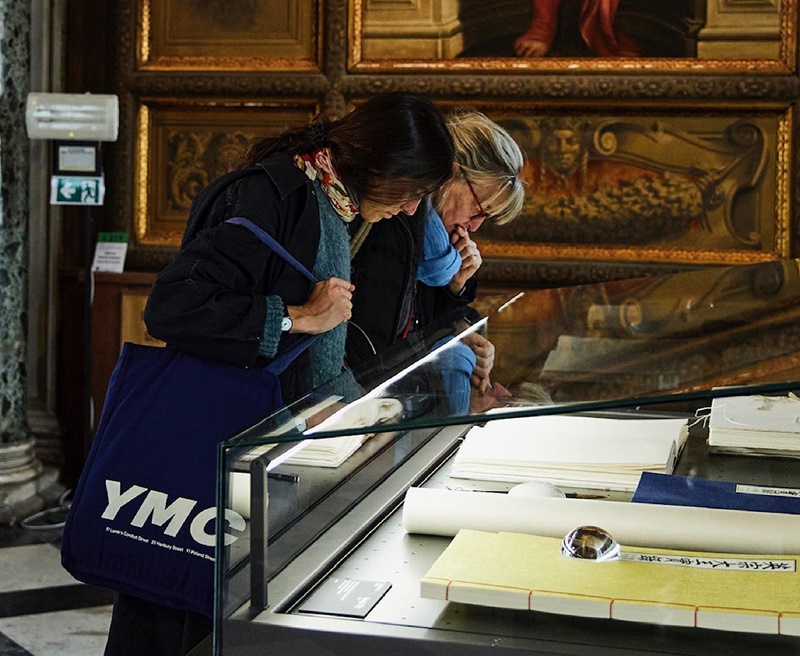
(154, 508)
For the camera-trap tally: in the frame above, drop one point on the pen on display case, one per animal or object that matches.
(277, 476)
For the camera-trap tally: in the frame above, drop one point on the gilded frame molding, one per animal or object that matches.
(785, 62)
(151, 25)
(132, 326)
(182, 144)
(514, 261)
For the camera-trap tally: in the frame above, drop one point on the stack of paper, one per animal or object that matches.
(321, 452)
(732, 592)
(333, 451)
(755, 425)
(570, 451)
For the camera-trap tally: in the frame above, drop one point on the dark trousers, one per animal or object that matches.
(143, 628)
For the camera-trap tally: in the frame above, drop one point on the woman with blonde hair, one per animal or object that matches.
(419, 271)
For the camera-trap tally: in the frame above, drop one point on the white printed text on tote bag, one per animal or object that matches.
(155, 509)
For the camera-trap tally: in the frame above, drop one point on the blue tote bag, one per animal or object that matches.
(143, 516)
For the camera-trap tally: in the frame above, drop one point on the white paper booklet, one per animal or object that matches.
(755, 425)
(333, 451)
(570, 451)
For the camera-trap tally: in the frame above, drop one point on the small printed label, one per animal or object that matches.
(345, 597)
(109, 255)
(701, 562)
(77, 159)
(768, 491)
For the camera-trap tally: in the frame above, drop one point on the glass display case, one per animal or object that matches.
(316, 551)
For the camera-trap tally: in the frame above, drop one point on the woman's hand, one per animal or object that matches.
(330, 303)
(484, 357)
(496, 396)
(470, 258)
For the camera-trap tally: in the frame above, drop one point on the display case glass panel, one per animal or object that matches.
(329, 559)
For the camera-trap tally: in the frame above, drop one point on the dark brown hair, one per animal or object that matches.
(394, 146)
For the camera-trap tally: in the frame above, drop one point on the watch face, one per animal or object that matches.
(286, 324)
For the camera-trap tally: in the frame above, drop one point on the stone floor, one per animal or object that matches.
(44, 611)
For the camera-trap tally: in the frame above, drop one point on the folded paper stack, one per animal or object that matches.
(333, 451)
(755, 425)
(571, 451)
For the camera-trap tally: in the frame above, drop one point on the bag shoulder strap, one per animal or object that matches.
(287, 357)
(270, 241)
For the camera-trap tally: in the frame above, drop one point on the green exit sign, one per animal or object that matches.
(77, 190)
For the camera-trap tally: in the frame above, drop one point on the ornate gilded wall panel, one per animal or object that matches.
(682, 187)
(702, 68)
(228, 35)
(183, 144)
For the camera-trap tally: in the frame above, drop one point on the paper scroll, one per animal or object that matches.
(445, 512)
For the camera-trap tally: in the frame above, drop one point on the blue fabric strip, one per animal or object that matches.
(284, 359)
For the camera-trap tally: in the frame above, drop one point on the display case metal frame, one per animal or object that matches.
(369, 541)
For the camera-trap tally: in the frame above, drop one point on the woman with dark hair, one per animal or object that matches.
(226, 295)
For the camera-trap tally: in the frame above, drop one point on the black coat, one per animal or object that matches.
(210, 300)
(384, 274)
(389, 303)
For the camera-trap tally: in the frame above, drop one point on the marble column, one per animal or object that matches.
(18, 462)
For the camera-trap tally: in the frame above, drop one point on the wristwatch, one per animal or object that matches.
(286, 322)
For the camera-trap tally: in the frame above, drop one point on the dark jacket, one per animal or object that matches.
(438, 306)
(389, 303)
(384, 274)
(210, 300)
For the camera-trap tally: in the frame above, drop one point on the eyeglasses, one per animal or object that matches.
(483, 214)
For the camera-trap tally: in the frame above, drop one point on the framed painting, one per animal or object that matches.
(182, 144)
(569, 36)
(678, 187)
(229, 35)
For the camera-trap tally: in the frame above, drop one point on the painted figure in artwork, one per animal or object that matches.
(577, 194)
(564, 168)
(597, 27)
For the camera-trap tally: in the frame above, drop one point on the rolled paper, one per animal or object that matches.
(445, 512)
(239, 492)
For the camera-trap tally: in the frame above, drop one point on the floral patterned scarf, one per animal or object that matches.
(317, 165)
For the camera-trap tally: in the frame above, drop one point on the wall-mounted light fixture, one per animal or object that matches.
(72, 116)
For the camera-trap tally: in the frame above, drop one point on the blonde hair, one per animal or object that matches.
(488, 156)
